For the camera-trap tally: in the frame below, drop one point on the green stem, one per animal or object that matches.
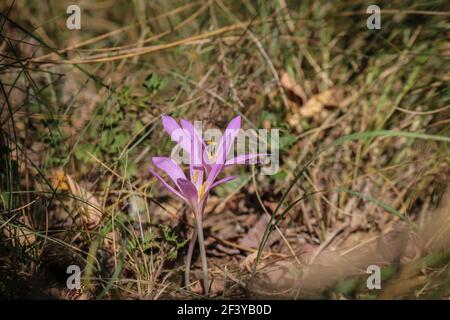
(201, 244)
(189, 257)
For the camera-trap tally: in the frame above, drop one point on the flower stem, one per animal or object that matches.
(201, 244)
(189, 257)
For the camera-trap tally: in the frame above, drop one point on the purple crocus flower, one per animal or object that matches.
(204, 170)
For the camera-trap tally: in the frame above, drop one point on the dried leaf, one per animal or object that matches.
(59, 181)
(228, 251)
(88, 205)
(254, 235)
(249, 260)
(289, 84)
(24, 236)
(315, 105)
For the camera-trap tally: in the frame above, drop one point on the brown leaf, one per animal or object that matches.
(315, 105)
(228, 251)
(59, 181)
(255, 234)
(289, 84)
(88, 205)
(24, 236)
(300, 107)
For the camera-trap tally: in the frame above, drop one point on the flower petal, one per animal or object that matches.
(197, 177)
(227, 140)
(190, 193)
(235, 123)
(165, 184)
(225, 145)
(212, 175)
(187, 125)
(170, 167)
(170, 124)
(196, 143)
(215, 184)
(177, 134)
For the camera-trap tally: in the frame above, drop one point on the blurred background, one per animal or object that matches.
(364, 120)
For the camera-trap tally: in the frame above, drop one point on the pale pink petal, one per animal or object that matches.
(227, 140)
(187, 125)
(189, 192)
(170, 167)
(215, 184)
(197, 177)
(177, 134)
(214, 172)
(165, 184)
(196, 143)
(169, 124)
(225, 145)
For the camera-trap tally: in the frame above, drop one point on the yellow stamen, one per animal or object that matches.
(202, 190)
(210, 155)
(195, 176)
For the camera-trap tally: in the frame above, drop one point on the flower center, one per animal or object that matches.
(195, 176)
(209, 152)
